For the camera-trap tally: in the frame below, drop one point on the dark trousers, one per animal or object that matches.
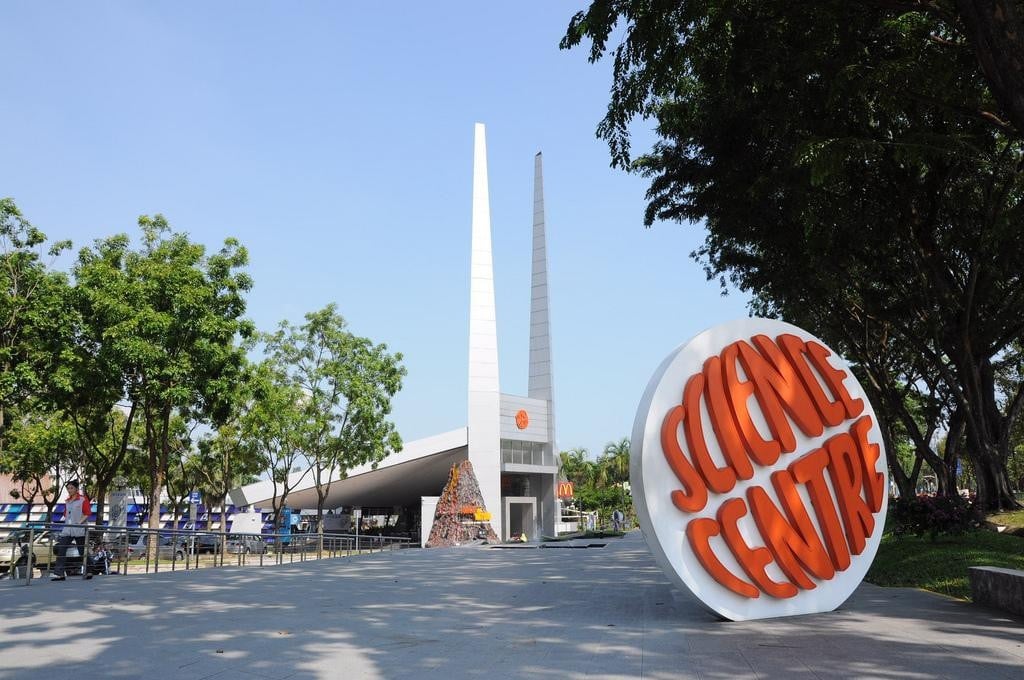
(63, 543)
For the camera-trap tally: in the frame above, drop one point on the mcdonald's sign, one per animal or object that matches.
(565, 490)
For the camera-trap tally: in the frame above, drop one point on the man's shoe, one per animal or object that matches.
(54, 577)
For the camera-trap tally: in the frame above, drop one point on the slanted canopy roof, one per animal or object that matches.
(419, 469)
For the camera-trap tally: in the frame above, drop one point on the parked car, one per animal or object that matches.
(14, 549)
(167, 548)
(246, 545)
(207, 543)
(300, 543)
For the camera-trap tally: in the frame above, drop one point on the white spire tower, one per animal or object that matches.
(484, 395)
(541, 382)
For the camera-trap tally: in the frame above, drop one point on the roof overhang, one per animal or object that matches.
(420, 469)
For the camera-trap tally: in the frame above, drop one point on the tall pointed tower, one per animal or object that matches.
(541, 383)
(484, 395)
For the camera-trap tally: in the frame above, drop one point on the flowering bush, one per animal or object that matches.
(934, 515)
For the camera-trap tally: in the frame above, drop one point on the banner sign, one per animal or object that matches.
(759, 472)
(119, 499)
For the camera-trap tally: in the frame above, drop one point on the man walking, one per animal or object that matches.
(618, 519)
(76, 513)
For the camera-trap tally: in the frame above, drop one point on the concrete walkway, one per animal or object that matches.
(476, 613)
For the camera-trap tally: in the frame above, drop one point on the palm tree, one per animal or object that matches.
(615, 458)
(614, 463)
(573, 465)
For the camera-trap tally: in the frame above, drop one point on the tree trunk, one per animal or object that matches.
(945, 477)
(156, 485)
(995, 492)
(320, 510)
(224, 527)
(906, 484)
(995, 30)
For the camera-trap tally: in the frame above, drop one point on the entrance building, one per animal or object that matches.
(509, 439)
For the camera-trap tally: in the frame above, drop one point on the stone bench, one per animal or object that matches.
(996, 587)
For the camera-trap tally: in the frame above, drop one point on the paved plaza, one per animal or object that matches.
(474, 613)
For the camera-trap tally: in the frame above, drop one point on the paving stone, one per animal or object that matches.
(456, 613)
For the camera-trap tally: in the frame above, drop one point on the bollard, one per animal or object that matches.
(31, 555)
(85, 554)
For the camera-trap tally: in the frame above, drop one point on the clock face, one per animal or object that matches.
(758, 471)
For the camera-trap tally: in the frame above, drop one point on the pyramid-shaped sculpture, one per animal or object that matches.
(461, 517)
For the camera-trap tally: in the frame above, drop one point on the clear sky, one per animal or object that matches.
(335, 141)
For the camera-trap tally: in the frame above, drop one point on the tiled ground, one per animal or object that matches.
(476, 613)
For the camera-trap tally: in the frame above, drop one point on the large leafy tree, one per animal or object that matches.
(347, 383)
(858, 168)
(273, 426)
(226, 458)
(168, 317)
(41, 454)
(34, 306)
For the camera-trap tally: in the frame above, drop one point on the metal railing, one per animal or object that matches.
(121, 550)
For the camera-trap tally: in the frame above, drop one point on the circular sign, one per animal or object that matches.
(759, 472)
(522, 420)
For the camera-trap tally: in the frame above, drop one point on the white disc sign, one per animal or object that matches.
(758, 471)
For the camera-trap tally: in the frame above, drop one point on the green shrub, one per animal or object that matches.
(935, 515)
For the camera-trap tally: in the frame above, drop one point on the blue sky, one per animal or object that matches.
(335, 141)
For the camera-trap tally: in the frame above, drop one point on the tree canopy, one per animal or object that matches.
(858, 171)
(135, 365)
(346, 383)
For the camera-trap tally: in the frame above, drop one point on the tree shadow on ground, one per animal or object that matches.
(477, 613)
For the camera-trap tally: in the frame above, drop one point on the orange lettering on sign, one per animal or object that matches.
(694, 495)
(779, 389)
(787, 379)
(831, 412)
(763, 451)
(810, 471)
(722, 421)
(847, 477)
(719, 479)
(834, 379)
(874, 481)
(791, 539)
(699, 533)
(753, 560)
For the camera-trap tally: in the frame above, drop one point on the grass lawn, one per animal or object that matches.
(1011, 519)
(941, 565)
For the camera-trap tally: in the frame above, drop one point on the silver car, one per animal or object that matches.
(246, 545)
(167, 549)
(14, 549)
